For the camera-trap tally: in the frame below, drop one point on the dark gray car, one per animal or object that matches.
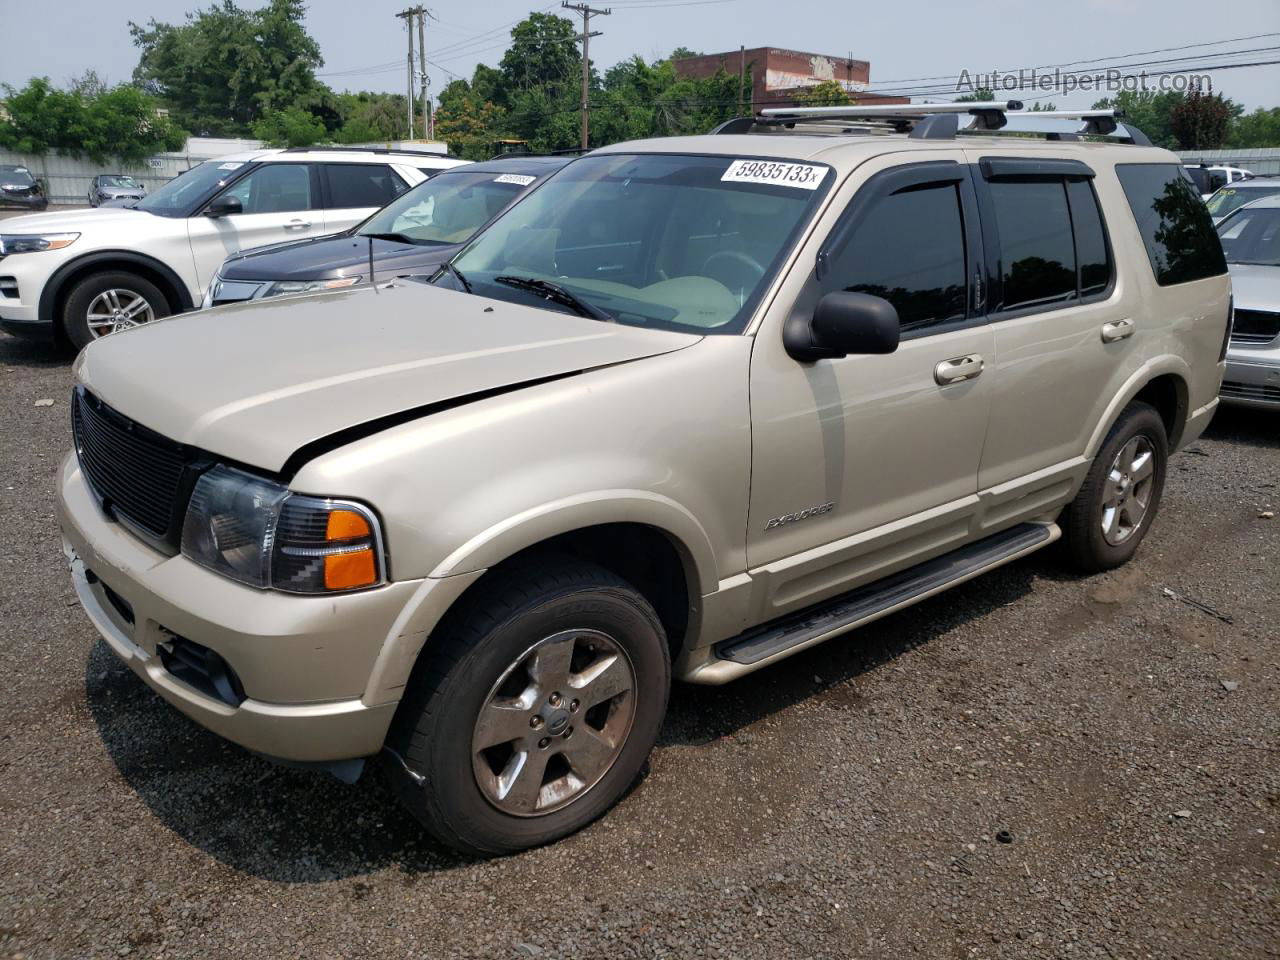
(114, 186)
(412, 235)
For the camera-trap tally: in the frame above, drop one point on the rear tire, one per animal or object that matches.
(87, 314)
(534, 709)
(1118, 501)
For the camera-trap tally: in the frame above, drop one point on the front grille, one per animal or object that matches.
(1250, 391)
(1255, 326)
(137, 473)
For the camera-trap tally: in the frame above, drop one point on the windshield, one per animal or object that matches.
(16, 175)
(673, 242)
(129, 182)
(177, 196)
(1252, 236)
(1232, 198)
(448, 208)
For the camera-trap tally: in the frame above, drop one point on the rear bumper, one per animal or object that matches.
(302, 665)
(1253, 382)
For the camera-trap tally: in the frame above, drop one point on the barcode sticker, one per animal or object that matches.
(230, 165)
(801, 175)
(518, 178)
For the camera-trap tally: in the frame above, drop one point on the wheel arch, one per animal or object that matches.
(652, 544)
(1162, 382)
(54, 295)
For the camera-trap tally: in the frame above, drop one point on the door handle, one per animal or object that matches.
(1117, 330)
(958, 369)
(297, 224)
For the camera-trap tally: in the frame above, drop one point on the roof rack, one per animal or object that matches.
(939, 121)
(320, 148)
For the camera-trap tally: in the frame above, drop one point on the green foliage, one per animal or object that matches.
(1258, 129)
(1201, 121)
(1150, 112)
(88, 120)
(467, 122)
(981, 95)
(684, 53)
(828, 93)
(542, 55)
(226, 67)
(369, 117)
(291, 127)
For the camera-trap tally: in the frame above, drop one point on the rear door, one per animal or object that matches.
(354, 191)
(1063, 329)
(280, 202)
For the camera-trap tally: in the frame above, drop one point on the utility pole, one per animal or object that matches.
(407, 17)
(742, 73)
(422, 73)
(586, 35)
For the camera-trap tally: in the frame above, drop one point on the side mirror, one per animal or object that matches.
(844, 323)
(225, 206)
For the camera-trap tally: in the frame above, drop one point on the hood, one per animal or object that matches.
(327, 258)
(73, 221)
(255, 383)
(1255, 286)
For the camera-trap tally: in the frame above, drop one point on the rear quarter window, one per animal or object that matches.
(1174, 222)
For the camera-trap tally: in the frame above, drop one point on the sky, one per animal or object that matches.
(364, 44)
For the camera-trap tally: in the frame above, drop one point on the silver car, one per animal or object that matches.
(1233, 196)
(115, 186)
(1251, 240)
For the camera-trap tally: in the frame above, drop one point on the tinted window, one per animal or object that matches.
(1037, 256)
(362, 184)
(909, 249)
(10, 173)
(1252, 236)
(277, 188)
(1091, 239)
(1231, 198)
(1174, 222)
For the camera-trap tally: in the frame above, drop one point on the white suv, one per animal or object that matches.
(81, 274)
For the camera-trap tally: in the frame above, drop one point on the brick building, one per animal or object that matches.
(779, 76)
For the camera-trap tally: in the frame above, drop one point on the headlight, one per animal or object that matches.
(282, 287)
(257, 532)
(34, 243)
(210, 292)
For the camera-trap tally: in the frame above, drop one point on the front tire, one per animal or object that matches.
(1118, 501)
(538, 704)
(104, 303)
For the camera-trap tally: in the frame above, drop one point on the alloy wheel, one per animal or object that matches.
(118, 309)
(1126, 494)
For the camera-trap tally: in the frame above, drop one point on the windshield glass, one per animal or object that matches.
(448, 208)
(1252, 236)
(1232, 198)
(176, 197)
(9, 173)
(673, 242)
(122, 181)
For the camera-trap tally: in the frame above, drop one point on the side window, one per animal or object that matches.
(275, 188)
(362, 184)
(1092, 254)
(909, 248)
(1037, 256)
(1174, 223)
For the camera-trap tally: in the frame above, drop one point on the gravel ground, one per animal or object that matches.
(850, 802)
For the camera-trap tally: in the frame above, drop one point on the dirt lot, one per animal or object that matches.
(846, 803)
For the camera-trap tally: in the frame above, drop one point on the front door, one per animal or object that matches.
(866, 464)
(280, 202)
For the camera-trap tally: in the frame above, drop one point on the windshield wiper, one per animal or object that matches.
(453, 271)
(397, 237)
(557, 294)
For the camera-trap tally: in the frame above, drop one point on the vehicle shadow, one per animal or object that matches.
(1245, 425)
(19, 352)
(302, 826)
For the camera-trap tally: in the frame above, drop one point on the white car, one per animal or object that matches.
(78, 275)
(1210, 178)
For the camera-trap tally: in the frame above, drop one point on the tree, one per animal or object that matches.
(226, 67)
(291, 127)
(369, 117)
(828, 93)
(980, 95)
(1201, 121)
(1258, 129)
(1150, 112)
(542, 54)
(121, 122)
(684, 53)
(468, 124)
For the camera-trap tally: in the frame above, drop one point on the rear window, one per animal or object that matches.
(362, 185)
(1174, 222)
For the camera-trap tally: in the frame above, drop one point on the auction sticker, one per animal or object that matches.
(230, 165)
(520, 178)
(802, 175)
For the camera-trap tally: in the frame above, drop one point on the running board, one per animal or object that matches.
(792, 633)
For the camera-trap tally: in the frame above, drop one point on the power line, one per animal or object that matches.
(586, 35)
